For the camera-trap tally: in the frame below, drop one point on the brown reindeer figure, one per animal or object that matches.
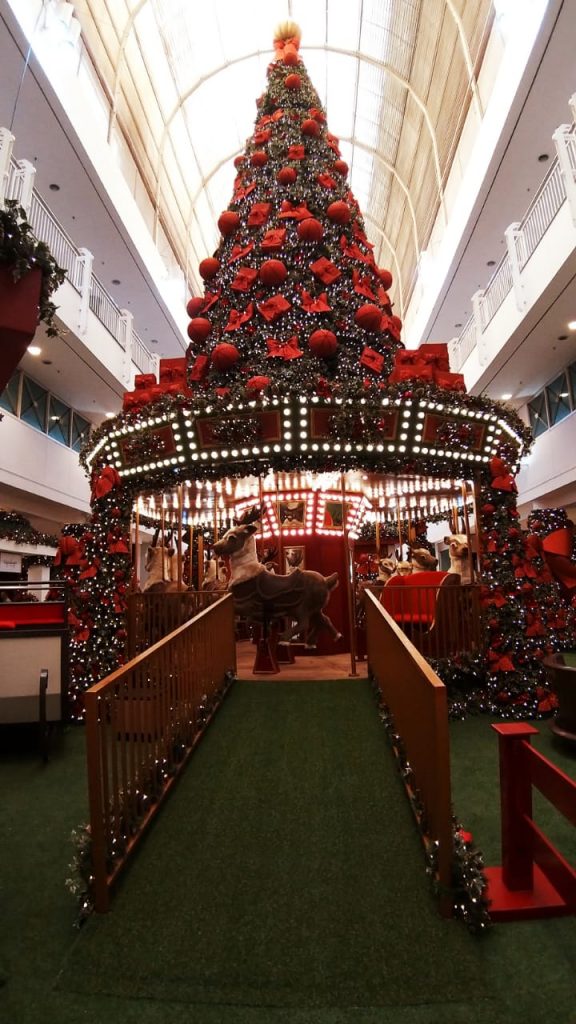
(262, 596)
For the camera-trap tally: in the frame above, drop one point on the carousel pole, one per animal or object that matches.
(136, 573)
(280, 543)
(163, 524)
(399, 525)
(377, 535)
(200, 565)
(180, 512)
(349, 592)
(475, 507)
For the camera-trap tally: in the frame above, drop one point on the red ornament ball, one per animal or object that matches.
(224, 356)
(396, 322)
(323, 343)
(209, 267)
(238, 161)
(287, 175)
(199, 328)
(340, 166)
(368, 317)
(228, 222)
(257, 383)
(290, 55)
(293, 81)
(194, 305)
(310, 230)
(339, 212)
(259, 158)
(272, 272)
(310, 127)
(386, 278)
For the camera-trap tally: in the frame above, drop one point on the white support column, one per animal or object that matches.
(479, 324)
(6, 144)
(517, 253)
(572, 105)
(26, 176)
(86, 261)
(565, 143)
(38, 574)
(126, 329)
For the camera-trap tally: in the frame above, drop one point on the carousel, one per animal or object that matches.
(300, 438)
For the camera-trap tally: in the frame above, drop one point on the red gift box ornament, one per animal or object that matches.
(245, 277)
(325, 270)
(283, 349)
(273, 308)
(372, 359)
(259, 214)
(296, 152)
(273, 240)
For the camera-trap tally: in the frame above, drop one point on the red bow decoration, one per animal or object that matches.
(199, 368)
(315, 304)
(108, 479)
(389, 324)
(372, 359)
(326, 180)
(238, 317)
(117, 545)
(243, 191)
(502, 479)
(333, 144)
(90, 571)
(259, 213)
(209, 300)
(500, 662)
(273, 239)
(317, 114)
(496, 598)
(244, 279)
(239, 251)
(298, 211)
(70, 551)
(357, 230)
(383, 297)
(268, 118)
(283, 349)
(362, 284)
(262, 136)
(296, 152)
(274, 307)
(222, 392)
(327, 271)
(352, 250)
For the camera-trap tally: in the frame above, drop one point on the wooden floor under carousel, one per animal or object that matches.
(312, 667)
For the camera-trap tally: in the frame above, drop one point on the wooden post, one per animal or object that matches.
(467, 530)
(399, 526)
(377, 535)
(136, 575)
(476, 505)
(200, 557)
(162, 525)
(349, 592)
(280, 541)
(515, 804)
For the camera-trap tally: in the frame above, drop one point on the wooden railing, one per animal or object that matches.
(142, 724)
(416, 699)
(152, 616)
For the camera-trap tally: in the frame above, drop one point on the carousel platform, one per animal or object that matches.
(305, 667)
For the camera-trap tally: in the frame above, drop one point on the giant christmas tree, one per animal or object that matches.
(294, 302)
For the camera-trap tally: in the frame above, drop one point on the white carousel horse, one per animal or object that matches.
(262, 596)
(161, 564)
(459, 551)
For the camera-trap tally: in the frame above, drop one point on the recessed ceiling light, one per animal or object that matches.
(457, 325)
(34, 350)
(54, 187)
(47, 362)
(116, 281)
(562, 337)
(491, 263)
(572, 325)
(543, 158)
(153, 341)
(506, 397)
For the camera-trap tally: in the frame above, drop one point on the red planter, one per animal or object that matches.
(19, 303)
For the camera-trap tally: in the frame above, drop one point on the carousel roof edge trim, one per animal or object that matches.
(424, 430)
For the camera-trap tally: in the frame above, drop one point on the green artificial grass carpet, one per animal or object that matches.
(285, 871)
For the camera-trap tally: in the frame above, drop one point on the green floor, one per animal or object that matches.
(282, 882)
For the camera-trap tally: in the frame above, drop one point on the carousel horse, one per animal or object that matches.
(262, 596)
(459, 556)
(161, 564)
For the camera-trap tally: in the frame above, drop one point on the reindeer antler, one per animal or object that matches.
(251, 515)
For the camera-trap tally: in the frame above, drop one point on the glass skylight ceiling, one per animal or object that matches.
(183, 79)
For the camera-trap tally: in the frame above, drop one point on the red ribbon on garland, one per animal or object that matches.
(108, 479)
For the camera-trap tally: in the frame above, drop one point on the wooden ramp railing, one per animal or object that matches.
(142, 723)
(152, 616)
(441, 621)
(417, 701)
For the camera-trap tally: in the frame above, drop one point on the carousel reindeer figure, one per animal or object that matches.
(162, 567)
(216, 576)
(460, 560)
(262, 596)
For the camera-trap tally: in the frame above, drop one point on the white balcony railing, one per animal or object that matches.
(557, 188)
(47, 229)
